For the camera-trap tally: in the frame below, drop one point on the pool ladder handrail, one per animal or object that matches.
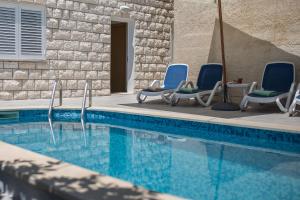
(53, 96)
(87, 87)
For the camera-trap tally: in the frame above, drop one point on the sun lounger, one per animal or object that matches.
(277, 84)
(209, 82)
(176, 76)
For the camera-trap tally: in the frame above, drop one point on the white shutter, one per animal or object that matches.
(31, 33)
(8, 32)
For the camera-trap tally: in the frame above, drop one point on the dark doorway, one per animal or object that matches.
(118, 81)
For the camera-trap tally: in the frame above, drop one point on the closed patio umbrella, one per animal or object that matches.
(225, 105)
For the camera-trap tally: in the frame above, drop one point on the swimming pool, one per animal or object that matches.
(190, 159)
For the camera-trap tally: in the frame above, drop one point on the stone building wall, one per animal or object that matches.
(78, 47)
(256, 32)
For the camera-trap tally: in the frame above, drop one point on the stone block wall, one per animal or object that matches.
(256, 32)
(78, 47)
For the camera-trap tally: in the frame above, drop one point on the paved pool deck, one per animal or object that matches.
(266, 116)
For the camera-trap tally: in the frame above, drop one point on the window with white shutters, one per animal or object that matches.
(8, 32)
(22, 32)
(31, 32)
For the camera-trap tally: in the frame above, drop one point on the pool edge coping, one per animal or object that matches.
(10, 155)
(179, 116)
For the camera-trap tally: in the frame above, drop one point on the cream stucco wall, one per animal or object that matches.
(256, 32)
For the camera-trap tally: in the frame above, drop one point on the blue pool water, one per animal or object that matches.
(177, 157)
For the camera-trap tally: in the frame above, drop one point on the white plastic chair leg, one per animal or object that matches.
(203, 102)
(199, 99)
(138, 97)
(174, 100)
(281, 107)
(289, 99)
(196, 101)
(292, 108)
(244, 103)
(166, 97)
(211, 96)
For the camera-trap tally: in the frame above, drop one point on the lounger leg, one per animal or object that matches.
(279, 104)
(174, 100)
(166, 97)
(211, 96)
(244, 104)
(288, 101)
(292, 108)
(138, 97)
(196, 101)
(201, 102)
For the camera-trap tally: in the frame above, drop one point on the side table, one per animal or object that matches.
(243, 86)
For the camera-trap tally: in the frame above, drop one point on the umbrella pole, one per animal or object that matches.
(224, 106)
(222, 50)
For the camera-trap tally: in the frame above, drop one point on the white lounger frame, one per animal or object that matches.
(276, 99)
(175, 97)
(296, 102)
(197, 96)
(165, 95)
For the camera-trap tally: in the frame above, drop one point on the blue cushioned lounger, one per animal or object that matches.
(277, 84)
(176, 75)
(208, 83)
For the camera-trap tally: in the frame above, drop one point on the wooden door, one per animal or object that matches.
(118, 57)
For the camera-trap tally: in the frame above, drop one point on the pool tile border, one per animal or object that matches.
(181, 116)
(249, 136)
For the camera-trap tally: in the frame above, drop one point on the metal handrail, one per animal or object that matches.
(88, 85)
(53, 96)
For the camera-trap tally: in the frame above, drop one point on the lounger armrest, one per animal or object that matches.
(181, 84)
(289, 98)
(297, 90)
(155, 83)
(189, 83)
(253, 85)
(292, 87)
(218, 85)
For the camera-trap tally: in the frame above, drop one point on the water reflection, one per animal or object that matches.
(83, 131)
(51, 131)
